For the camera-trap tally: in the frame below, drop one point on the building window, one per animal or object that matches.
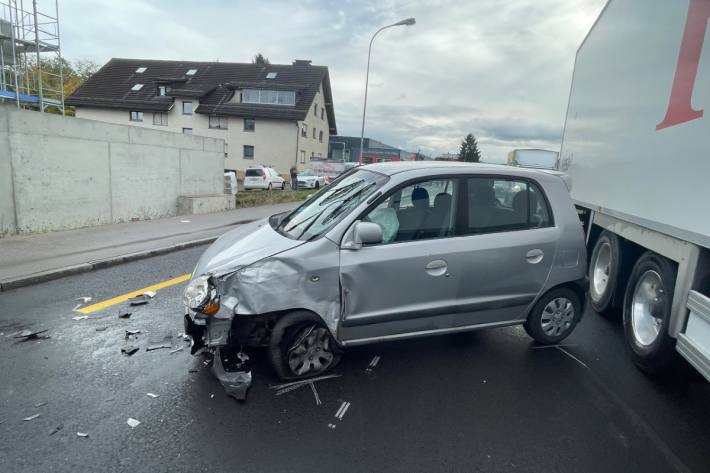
(160, 118)
(187, 108)
(249, 124)
(218, 122)
(187, 131)
(141, 70)
(226, 150)
(137, 87)
(271, 75)
(248, 152)
(313, 155)
(191, 72)
(320, 136)
(304, 131)
(303, 157)
(162, 90)
(315, 110)
(269, 97)
(136, 116)
(322, 113)
(314, 133)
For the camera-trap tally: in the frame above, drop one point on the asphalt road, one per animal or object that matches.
(483, 401)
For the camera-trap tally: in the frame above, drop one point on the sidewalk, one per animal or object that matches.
(31, 259)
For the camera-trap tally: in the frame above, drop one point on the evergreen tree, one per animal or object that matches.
(469, 150)
(260, 59)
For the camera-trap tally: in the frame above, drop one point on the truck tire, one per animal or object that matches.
(301, 346)
(604, 271)
(647, 312)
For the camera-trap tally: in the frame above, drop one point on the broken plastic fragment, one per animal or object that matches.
(82, 434)
(150, 294)
(129, 350)
(32, 417)
(80, 317)
(133, 422)
(152, 395)
(235, 383)
(166, 342)
(124, 315)
(101, 329)
(40, 404)
(176, 350)
(138, 300)
(56, 429)
(30, 333)
(129, 333)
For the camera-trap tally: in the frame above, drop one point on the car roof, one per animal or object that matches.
(455, 167)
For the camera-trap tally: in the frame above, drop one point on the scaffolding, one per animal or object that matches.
(31, 63)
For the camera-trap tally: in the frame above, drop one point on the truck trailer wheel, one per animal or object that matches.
(647, 313)
(604, 271)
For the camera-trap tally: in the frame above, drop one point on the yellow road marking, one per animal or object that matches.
(122, 298)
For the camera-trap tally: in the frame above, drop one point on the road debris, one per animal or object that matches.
(56, 429)
(130, 333)
(32, 417)
(193, 370)
(343, 409)
(30, 334)
(80, 317)
(150, 294)
(235, 383)
(133, 422)
(167, 342)
(140, 299)
(332, 426)
(128, 350)
(572, 356)
(40, 404)
(177, 349)
(81, 301)
(373, 363)
(122, 314)
(294, 385)
(315, 394)
(101, 329)
(82, 434)
(152, 395)
(184, 221)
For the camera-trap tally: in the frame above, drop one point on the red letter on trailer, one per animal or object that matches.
(680, 110)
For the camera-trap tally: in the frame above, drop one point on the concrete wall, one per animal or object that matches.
(275, 141)
(60, 172)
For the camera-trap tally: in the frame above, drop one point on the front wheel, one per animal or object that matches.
(283, 185)
(302, 347)
(554, 316)
(647, 313)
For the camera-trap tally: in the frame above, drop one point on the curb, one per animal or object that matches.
(98, 264)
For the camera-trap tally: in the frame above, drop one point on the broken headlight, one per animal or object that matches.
(198, 292)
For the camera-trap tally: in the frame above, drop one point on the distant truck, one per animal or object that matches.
(637, 149)
(533, 158)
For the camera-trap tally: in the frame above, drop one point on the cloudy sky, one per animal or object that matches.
(500, 69)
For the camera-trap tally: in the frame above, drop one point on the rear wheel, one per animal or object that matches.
(317, 185)
(302, 347)
(604, 271)
(283, 185)
(647, 313)
(554, 316)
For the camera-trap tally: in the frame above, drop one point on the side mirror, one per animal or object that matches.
(362, 233)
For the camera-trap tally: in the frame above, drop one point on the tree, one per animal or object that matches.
(73, 73)
(469, 150)
(260, 59)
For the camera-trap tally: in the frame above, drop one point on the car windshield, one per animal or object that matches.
(329, 206)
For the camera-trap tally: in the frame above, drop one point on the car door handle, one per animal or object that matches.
(534, 256)
(437, 267)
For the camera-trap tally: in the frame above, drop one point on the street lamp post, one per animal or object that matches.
(407, 22)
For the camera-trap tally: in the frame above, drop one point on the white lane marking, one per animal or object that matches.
(315, 394)
(572, 356)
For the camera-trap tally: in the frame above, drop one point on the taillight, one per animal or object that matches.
(263, 177)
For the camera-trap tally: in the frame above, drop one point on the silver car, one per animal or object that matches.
(391, 251)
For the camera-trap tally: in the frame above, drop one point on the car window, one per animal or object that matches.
(415, 212)
(496, 205)
(254, 172)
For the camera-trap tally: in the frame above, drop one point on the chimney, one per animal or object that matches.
(302, 62)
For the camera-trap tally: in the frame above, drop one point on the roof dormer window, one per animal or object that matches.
(271, 75)
(191, 72)
(141, 70)
(137, 87)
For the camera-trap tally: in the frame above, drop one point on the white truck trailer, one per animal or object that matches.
(533, 158)
(637, 147)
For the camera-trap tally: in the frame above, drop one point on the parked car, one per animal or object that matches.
(263, 177)
(309, 179)
(391, 251)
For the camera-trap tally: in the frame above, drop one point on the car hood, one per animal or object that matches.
(241, 247)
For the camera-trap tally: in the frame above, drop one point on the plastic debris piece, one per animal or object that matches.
(177, 349)
(130, 333)
(30, 333)
(129, 350)
(152, 395)
(166, 342)
(82, 434)
(193, 370)
(83, 300)
(80, 317)
(56, 429)
(101, 329)
(138, 300)
(32, 417)
(150, 294)
(133, 422)
(211, 396)
(40, 404)
(184, 221)
(124, 315)
(235, 383)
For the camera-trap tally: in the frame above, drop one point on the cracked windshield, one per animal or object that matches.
(320, 235)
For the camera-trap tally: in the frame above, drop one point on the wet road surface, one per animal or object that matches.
(482, 401)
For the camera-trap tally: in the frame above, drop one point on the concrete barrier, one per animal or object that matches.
(59, 173)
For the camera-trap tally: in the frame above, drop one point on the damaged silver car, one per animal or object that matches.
(390, 251)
